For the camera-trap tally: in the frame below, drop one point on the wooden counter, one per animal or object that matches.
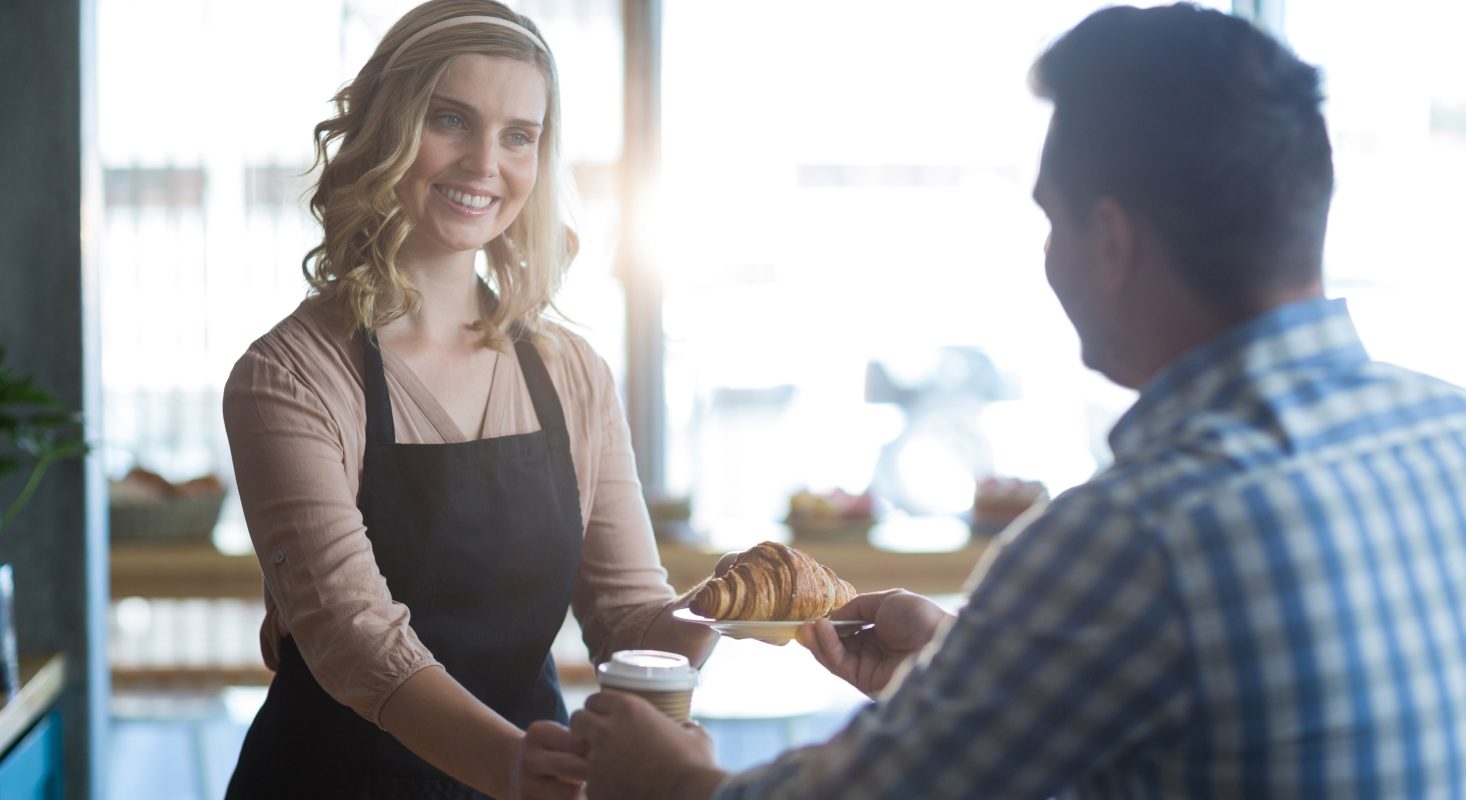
(183, 570)
(41, 679)
(156, 571)
(202, 571)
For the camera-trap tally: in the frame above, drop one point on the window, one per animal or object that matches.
(1397, 113)
(854, 270)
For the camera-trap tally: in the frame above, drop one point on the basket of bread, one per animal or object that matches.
(1000, 501)
(830, 516)
(146, 507)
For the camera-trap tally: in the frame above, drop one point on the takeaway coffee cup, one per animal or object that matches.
(664, 679)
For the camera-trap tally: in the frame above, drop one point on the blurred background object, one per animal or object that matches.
(835, 514)
(146, 507)
(933, 464)
(999, 501)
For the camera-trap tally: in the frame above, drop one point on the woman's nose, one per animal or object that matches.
(482, 157)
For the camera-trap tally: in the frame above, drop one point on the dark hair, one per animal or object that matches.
(1207, 128)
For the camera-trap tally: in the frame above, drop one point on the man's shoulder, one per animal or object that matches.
(1421, 383)
(1286, 421)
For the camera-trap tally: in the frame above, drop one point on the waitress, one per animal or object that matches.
(432, 472)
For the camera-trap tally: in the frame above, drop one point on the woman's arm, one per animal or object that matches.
(435, 717)
(622, 598)
(665, 633)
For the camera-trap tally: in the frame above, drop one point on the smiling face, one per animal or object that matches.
(478, 158)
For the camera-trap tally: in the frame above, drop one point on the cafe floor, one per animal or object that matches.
(754, 700)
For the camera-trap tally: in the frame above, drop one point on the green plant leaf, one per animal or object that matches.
(25, 392)
(65, 450)
(53, 419)
(39, 431)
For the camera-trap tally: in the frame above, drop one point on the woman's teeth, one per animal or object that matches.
(470, 200)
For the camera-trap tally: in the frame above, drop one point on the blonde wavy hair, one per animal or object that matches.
(363, 151)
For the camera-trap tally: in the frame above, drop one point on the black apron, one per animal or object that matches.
(481, 541)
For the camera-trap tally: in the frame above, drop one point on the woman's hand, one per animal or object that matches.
(725, 563)
(550, 764)
(904, 623)
(719, 570)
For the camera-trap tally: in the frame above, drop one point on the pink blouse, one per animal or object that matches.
(296, 418)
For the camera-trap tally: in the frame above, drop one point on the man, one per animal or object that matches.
(1261, 596)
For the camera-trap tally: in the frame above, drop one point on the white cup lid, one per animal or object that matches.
(647, 671)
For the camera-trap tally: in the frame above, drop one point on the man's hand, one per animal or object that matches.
(904, 623)
(637, 752)
(550, 764)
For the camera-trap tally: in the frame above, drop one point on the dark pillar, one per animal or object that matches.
(57, 547)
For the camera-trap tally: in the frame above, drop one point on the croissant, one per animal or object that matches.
(771, 581)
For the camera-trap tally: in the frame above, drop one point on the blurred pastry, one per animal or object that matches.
(999, 501)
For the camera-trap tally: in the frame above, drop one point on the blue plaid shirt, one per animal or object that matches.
(1261, 597)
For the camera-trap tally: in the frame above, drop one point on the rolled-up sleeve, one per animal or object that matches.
(299, 502)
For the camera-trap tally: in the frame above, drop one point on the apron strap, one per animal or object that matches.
(379, 428)
(542, 393)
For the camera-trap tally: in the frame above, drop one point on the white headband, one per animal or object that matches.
(455, 22)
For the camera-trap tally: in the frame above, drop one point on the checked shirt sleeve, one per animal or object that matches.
(1070, 656)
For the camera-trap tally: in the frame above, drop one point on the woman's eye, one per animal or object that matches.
(450, 120)
(520, 139)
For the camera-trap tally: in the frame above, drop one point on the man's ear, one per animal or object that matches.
(1114, 237)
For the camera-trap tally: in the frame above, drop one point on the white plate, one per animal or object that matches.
(770, 631)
